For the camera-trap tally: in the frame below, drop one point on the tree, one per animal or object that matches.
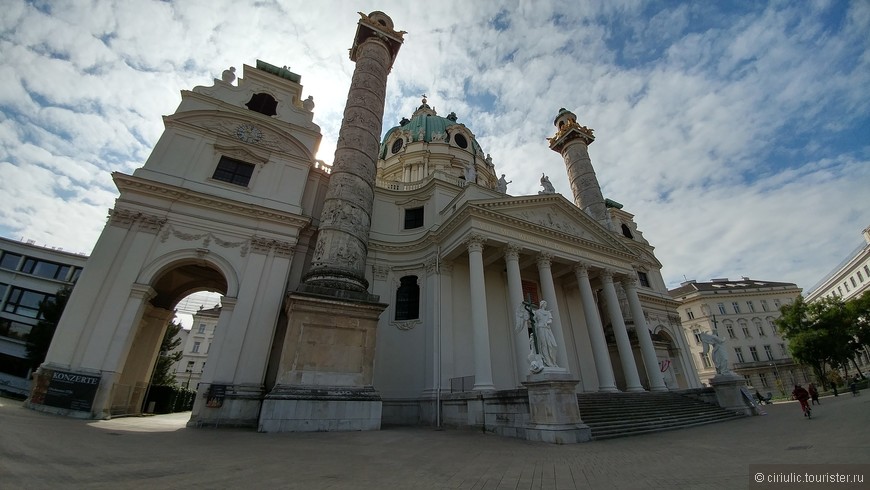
(39, 338)
(163, 374)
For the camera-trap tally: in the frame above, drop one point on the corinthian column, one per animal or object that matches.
(606, 380)
(479, 319)
(648, 351)
(545, 272)
(342, 244)
(626, 356)
(515, 292)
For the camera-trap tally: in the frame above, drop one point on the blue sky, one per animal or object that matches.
(738, 133)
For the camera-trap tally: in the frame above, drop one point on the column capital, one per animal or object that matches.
(544, 259)
(475, 242)
(581, 269)
(607, 275)
(629, 281)
(512, 251)
(228, 303)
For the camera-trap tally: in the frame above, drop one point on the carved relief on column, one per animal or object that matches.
(544, 259)
(125, 218)
(512, 251)
(475, 242)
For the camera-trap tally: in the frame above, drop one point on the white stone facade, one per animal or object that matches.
(850, 279)
(232, 200)
(742, 313)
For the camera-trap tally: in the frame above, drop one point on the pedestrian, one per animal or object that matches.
(853, 385)
(814, 394)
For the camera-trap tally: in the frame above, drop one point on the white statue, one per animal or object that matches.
(548, 187)
(502, 184)
(470, 172)
(542, 343)
(720, 357)
(308, 104)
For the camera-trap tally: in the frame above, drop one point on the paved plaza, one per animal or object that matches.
(45, 451)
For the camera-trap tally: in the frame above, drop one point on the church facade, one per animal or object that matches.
(363, 292)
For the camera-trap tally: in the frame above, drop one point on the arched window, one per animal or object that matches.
(408, 299)
(263, 103)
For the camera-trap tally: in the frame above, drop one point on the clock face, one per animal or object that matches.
(249, 133)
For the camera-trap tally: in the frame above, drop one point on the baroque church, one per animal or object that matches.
(395, 285)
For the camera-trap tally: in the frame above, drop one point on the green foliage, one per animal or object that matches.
(827, 332)
(39, 338)
(163, 373)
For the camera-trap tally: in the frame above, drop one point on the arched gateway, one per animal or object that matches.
(383, 288)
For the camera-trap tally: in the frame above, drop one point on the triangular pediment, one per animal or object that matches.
(554, 213)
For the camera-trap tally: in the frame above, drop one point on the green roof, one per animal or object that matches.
(430, 124)
(281, 72)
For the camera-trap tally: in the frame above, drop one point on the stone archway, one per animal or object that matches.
(170, 284)
(669, 359)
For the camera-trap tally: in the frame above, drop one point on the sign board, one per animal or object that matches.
(67, 390)
(216, 395)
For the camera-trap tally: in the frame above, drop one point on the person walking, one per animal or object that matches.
(814, 394)
(802, 395)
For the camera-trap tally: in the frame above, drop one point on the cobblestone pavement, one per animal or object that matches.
(45, 451)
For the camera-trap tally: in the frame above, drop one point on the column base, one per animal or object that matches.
(320, 409)
(554, 414)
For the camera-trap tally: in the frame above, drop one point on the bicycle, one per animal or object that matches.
(808, 411)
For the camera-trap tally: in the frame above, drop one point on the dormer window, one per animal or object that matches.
(233, 171)
(263, 103)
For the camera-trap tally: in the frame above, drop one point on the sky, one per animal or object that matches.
(737, 133)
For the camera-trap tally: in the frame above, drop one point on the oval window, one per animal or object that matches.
(397, 145)
(460, 141)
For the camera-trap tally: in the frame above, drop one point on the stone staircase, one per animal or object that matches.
(612, 415)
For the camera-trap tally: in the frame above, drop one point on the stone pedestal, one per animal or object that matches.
(325, 374)
(728, 393)
(554, 412)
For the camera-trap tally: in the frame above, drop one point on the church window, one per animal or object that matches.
(643, 278)
(626, 232)
(233, 171)
(397, 145)
(413, 218)
(408, 299)
(263, 103)
(460, 141)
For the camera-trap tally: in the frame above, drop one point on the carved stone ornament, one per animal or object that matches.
(406, 324)
(380, 272)
(126, 219)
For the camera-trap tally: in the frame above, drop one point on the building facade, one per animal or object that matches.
(381, 284)
(850, 279)
(743, 314)
(29, 275)
(195, 346)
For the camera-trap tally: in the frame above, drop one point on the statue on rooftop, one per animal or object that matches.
(229, 75)
(548, 187)
(502, 184)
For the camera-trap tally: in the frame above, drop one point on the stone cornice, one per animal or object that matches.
(127, 183)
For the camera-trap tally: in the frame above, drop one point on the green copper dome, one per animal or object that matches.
(426, 125)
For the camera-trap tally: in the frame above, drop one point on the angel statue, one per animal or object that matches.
(542, 343)
(720, 357)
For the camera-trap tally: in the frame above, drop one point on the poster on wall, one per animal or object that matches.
(67, 390)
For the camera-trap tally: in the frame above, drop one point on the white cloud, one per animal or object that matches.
(723, 131)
